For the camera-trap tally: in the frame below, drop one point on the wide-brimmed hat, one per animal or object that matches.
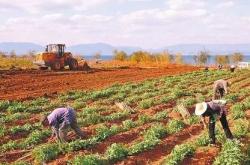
(200, 108)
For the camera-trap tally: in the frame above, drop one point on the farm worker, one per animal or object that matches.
(213, 110)
(232, 68)
(60, 120)
(220, 66)
(220, 87)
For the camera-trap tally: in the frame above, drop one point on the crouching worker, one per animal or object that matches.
(220, 88)
(60, 120)
(213, 110)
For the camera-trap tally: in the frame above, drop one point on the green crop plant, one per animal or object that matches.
(177, 93)
(103, 132)
(119, 97)
(238, 110)
(143, 145)
(89, 119)
(179, 153)
(193, 120)
(11, 145)
(133, 99)
(232, 97)
(128, 124)
(116, 152)
(2, 131)
(15, 107)
(230, 154)
(160, 115)
(21, 163)
(144, 104)
(155, 131)
(166, 99)
(4, 105)
(175, 126)
(241, 128)
(35, 138)
(203, 140)
(46, 152)
(72, 95)
(78, 104)
(144, 119)
(117, 115)
(39, 102)
(24, 128)
(93, 159)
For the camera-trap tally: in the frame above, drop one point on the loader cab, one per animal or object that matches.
(58, 49)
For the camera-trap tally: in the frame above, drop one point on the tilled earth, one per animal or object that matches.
(29, 84)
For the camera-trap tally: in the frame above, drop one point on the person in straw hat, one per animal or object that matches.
(60, 120)
(213, 110)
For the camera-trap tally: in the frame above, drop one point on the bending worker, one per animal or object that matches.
(213, 110)
(60, 120)
(220, 88)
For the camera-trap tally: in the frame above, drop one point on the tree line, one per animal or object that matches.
(201, 58)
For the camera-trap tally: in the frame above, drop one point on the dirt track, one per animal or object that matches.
(22, 85)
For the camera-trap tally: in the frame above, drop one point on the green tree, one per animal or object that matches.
(222, 59)
(164, 56)
(140, 56)
(237, 57)
(120, 55)
(202, 58)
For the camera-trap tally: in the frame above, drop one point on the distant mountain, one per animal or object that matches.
(20, 47)
(106, 49)
(213, 49)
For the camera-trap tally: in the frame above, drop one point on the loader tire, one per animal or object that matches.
(73, 64)
(56, 66)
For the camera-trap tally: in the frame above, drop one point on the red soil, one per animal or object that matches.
(202, 156)
(21, 85)
(163, 149)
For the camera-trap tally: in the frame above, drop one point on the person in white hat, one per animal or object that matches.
(213, 110)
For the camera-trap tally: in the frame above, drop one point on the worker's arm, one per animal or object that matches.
(204, 122)
(225, 87)
(55, 132)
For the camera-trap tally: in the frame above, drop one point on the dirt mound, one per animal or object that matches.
(21, 85)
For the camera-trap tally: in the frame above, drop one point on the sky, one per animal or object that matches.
(143, 23)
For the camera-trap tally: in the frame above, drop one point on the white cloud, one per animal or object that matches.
(37, 6)
(226, 4)
(185, 4)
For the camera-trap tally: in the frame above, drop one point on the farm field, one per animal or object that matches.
(29, 84)
(152, 132)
